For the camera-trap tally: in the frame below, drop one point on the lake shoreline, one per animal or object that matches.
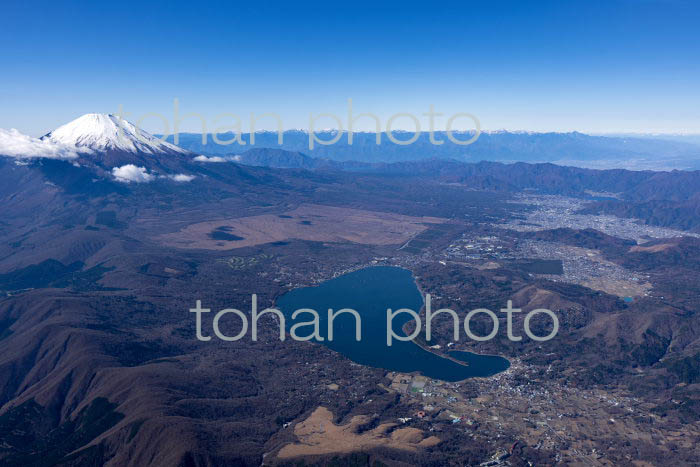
(370, 291)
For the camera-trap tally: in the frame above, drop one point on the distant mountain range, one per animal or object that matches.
(574, 148)
(682, 138)
(98, 154)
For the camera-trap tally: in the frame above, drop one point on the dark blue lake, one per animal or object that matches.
(370, 292)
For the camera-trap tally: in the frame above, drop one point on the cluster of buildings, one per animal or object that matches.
(553, 212)
(541, 413)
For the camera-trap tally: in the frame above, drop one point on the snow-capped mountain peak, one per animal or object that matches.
(107, 132)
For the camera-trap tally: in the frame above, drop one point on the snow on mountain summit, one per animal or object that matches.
(107, 132)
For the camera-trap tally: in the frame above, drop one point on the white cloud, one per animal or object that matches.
(181, 177)
(131, 173)
(20, 146)
(209, 159)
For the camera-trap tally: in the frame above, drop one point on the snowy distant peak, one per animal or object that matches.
(103, 132)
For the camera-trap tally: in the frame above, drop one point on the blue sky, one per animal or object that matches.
(592, 66)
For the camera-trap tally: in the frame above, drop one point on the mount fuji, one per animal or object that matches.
(107, 132)
(108, 141)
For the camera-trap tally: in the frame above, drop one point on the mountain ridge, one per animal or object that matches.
(572, 148)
